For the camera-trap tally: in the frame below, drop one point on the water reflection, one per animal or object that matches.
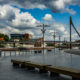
(59, 58)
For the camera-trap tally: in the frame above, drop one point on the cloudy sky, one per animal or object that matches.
(23, 16)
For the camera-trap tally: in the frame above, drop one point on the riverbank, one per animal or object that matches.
(17, 49)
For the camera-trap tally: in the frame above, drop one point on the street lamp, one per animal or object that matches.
(43, 32)
(59, 41)
(54, 36)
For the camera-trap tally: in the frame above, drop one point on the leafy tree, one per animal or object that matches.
(50, 44)
(6, 38)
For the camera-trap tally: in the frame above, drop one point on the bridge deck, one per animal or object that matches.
(18, 61)
(29, 64)
(60, 70)
(64, 70)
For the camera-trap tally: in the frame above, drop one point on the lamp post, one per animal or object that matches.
(54, 36)
(43, 32)
(54, 39)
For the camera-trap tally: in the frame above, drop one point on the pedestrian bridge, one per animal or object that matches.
(54, 70)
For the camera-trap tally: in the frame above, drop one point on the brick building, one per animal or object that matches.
(27, 36)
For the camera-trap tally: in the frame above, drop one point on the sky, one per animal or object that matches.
(24, 16)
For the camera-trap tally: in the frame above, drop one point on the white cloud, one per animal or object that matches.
(59, 27)
(48, 17)
(28, 31)
(51, 31)
(8, 30)
(24, 20)
(13, 17)
(7, 12)
(12, 21)
(71, 11)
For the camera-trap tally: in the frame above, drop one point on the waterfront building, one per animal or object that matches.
(38, 42)
(28, 45)
(27, 36)
(16, 36)
(1, 39)
(73, 44)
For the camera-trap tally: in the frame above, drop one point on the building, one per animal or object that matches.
(73, 45)
(20, 36)
(27, 36)
(17, 36)
(1, 39)
(28, 45)
(38, 42)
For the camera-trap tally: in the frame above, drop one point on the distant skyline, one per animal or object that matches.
(22, 16)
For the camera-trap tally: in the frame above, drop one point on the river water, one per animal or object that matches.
(55, 58)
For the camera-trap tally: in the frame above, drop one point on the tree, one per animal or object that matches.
(50, 44)
(6, 38)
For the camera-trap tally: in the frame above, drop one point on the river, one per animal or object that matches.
(55, 58)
